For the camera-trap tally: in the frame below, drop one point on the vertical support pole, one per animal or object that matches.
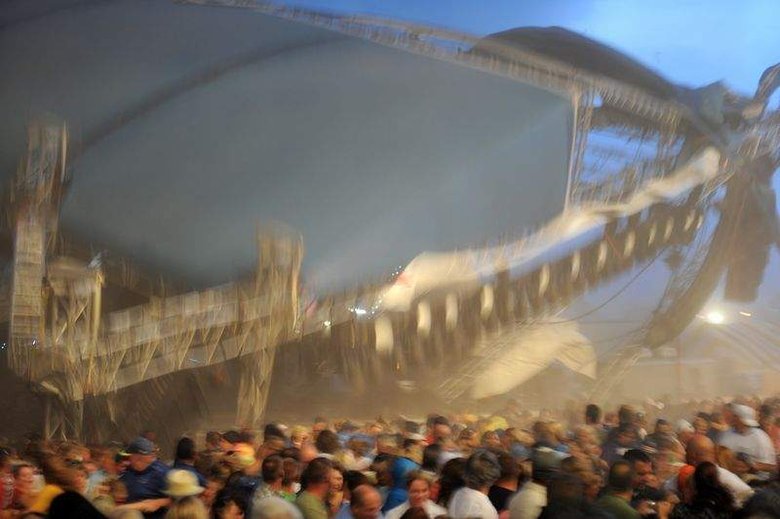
(35, 196)
(273, 301)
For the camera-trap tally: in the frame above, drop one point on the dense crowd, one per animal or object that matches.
(719, 461)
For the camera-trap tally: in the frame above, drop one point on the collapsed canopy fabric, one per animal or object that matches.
(193, 124)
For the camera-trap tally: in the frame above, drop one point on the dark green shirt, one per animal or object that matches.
(311, 506)
(618, 507)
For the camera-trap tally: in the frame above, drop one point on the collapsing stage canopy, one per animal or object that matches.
(191, 124)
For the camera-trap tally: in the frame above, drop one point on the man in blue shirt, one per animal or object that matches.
(185, 459)
(145, 480)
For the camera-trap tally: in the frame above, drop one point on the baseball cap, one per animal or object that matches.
(745, 414)
(684, 426)
(140, 446)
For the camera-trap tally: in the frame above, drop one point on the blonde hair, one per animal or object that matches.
(187, 508)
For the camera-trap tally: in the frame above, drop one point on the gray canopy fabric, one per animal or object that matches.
(193, 124)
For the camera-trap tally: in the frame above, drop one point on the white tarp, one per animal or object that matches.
(566, 233)
(532, 349)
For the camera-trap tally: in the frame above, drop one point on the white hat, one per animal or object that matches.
(745, 414)
(684, 426)
(182, 483)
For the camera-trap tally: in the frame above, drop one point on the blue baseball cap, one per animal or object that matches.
(140, 446)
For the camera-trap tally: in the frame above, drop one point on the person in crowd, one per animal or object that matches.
(216, 480)
(298, 436)
(315, 484)
(387, 444)
(338, 495)
(620, 492)
(567, 463)
(352, 480)
(617, 500)
(229, 505)
(764, 503)
(24, 493)
(419, 485)
(328, 444)
(358, 449)
(382, 466)
(416, 513)
(452, 480)
(532, 497)
(700, 450)
(73, 505)
(186, 456)
(746, 436)
(430, 459)
(482, 470)
(320, 424)
(701, 424)
(646, 484)
(275, 508)
(187, 508)
(718, 425)
(59, 478)
(211, 455)
(366, 503)
(491, 440)
(770, 424)
(103, 497)
(439, 429)
(245, 475)
(619, 441)
(506, 486)
(468, 442)
(6, 480)
(685, 431)
(291, 480)
(593, 420)
(181, 483)
(402, 466)
(566, 500)
(710, 499)
(274, 441)
(145, 479)
(512, 444)
(662, 433)
(272, 473)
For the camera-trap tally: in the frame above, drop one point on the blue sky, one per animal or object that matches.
(690, 41)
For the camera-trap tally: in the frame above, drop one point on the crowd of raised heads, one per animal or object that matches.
(708, 460)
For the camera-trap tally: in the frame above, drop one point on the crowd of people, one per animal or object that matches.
(717, 461)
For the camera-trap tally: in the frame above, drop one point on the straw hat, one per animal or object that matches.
(182, 483)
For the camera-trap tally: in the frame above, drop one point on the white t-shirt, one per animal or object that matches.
(432, 509)
(754, 442)
(468, 502)
(738, 489)
(529, 502)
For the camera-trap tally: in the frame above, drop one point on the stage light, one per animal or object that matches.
(715, 317)
(359, 311)
(326, 324)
